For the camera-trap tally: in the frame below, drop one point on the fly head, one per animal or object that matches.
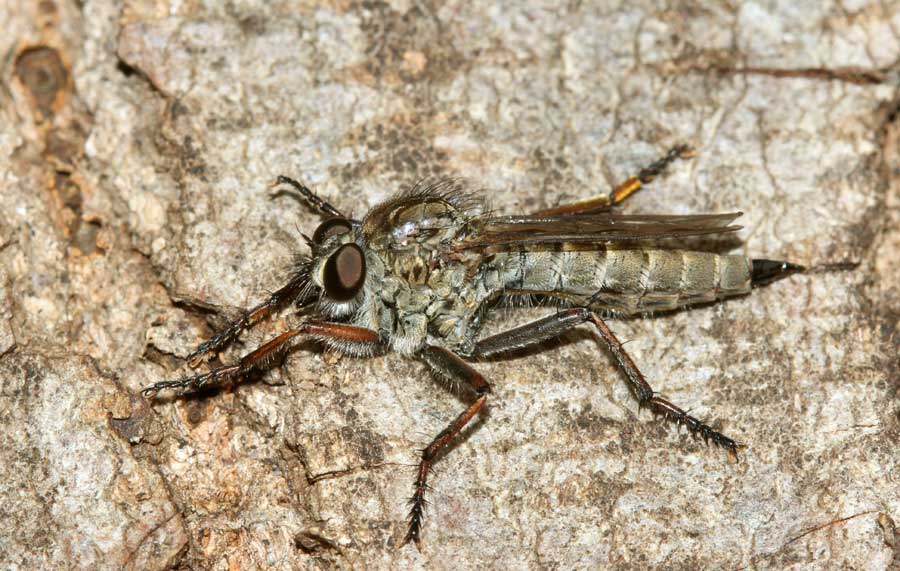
(343, 268)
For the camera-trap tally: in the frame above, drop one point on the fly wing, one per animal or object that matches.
(597, 228)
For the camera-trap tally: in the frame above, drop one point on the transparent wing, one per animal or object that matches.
(590, 228)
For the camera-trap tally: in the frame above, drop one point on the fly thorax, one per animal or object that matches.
(391, 286)
(413, 299)
(410, 333)
(413, 266)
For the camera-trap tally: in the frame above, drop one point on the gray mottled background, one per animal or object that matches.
(137, 142)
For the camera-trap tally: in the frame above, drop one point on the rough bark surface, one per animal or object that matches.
(138, 139)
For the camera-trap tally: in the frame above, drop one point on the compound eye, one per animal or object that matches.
(344, 272)
(329, 228)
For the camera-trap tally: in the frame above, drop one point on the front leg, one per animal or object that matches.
(349, 338)
(452, 367)
(285, 295)
(557, 324)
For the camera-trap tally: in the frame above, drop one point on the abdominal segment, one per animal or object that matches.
(627, 281)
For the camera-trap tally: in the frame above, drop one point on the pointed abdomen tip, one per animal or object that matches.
(767, 271)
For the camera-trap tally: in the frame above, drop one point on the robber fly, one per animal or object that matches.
(417, 274)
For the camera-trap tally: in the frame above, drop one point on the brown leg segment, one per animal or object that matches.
(453, 367)
(604, 202)
(646, 396)
(265, 355)
(277, 300)
(554, 325)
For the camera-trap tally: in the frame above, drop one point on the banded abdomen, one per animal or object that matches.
(628, 281)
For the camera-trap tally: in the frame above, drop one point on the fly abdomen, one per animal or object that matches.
(628, 281)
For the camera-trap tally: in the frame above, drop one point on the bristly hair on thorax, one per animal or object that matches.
(456, 192)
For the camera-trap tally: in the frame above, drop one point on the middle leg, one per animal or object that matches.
(454, 368)
(557, 324)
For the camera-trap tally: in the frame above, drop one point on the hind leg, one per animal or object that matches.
(555, 325)
(629, 186)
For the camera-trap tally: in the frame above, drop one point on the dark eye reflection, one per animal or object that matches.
(344, 272)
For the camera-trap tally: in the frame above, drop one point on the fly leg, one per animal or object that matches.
(604, 202)
(554, 325)
(354, 339)
(318, 203)
(647, 174)
(454, 368)
(277, 300)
